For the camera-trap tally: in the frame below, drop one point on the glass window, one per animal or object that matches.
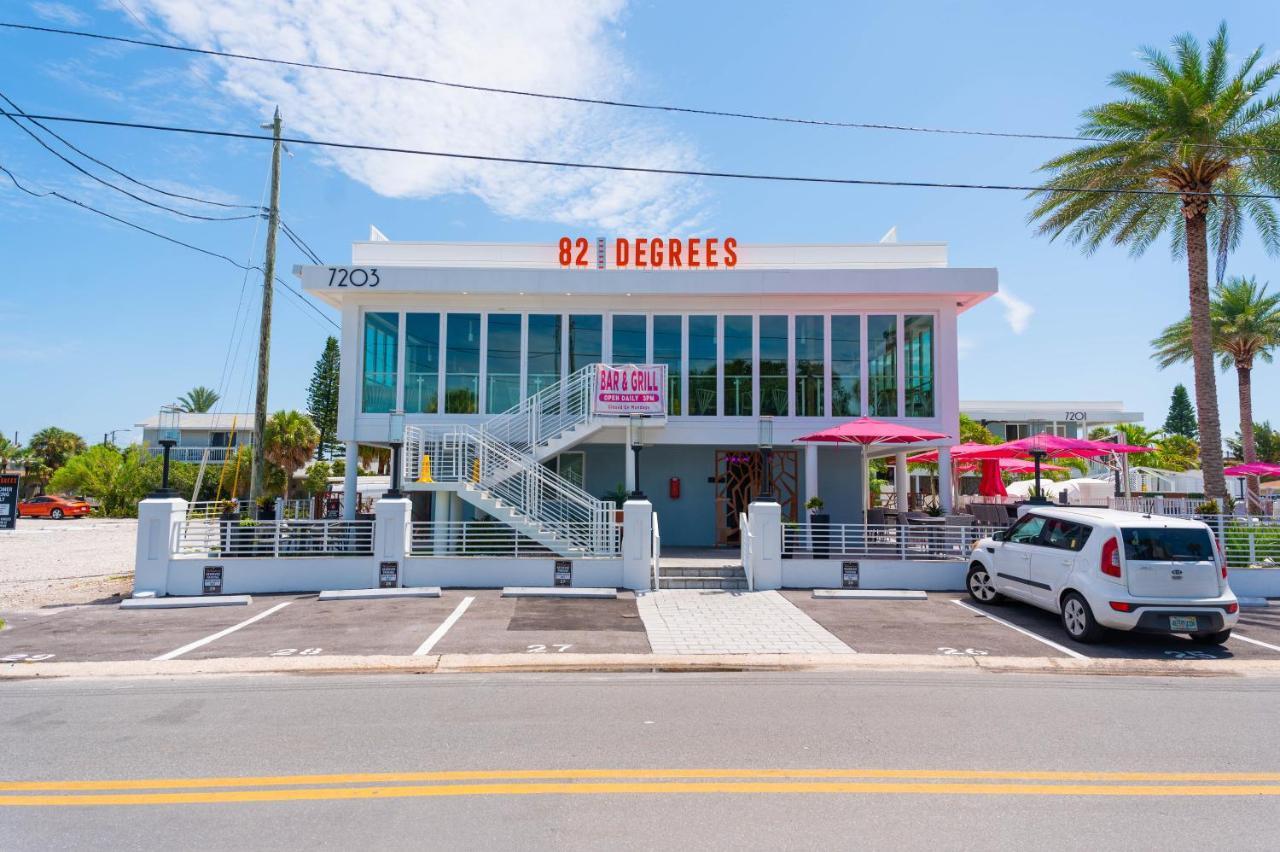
(882, 366)
(572, 466)
(917, 333)
(667, 347)
(737, 366)
(773, 366)
(809, 366)
(422, 363)
(381, 337)
(585, 337)
(544, 352)
(502, 363)
(1017, 431)
(846, 366)
(1065, 535)
(462, 364)
(1027, 530)
(1157, 544)
(629, 344)
(702, 366)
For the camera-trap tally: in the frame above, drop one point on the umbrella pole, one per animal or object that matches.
(1039, 498)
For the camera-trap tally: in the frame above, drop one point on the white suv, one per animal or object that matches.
(1102, 568)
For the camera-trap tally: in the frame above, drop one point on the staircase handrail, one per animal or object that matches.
(541, 417)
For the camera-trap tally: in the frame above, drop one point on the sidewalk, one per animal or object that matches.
(707, 621)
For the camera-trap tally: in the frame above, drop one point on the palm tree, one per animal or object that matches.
(1246, 327)
(289, 442)
(198, 399)
(9, 453)
(1179, 154)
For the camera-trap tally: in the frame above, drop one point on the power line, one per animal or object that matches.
(917, 184)
(748, 116)
(55, 194)
(73, 164)
(300, 243)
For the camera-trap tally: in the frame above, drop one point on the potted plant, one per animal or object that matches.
(618, 495)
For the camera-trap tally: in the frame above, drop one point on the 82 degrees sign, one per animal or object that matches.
(356, 277)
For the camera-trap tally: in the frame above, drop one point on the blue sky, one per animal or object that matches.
(103, 324)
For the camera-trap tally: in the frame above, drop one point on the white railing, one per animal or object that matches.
(213, 509)
(485, 539)
(274, 538)
(196, 454)
(1156, 505)
(747, 540)
(655, 556)
(545, 415)
(882, 541)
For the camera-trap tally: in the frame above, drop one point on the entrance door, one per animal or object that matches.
(739, 476)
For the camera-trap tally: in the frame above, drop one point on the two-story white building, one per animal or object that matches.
(804, 336)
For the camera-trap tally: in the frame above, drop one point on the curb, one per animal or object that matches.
(644, 663)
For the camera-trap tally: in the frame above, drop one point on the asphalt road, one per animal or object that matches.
(874, 761)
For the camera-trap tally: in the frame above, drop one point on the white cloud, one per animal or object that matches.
(965, 345)
(571, 47)
(59, 13)
(1016, 312)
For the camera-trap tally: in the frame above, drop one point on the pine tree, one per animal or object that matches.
(1182, 417)
(322, 398)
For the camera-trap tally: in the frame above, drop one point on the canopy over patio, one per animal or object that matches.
(1254, 469)
(1047, 445)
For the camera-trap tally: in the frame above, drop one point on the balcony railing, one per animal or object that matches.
(197, 454)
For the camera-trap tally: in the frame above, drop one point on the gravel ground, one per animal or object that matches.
(59, 563)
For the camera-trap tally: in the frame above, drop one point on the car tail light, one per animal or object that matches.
(1222, 557)
(1233, 608)
(1111, 558)
(1122, 606)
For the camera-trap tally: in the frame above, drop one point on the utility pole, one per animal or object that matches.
(264, 328)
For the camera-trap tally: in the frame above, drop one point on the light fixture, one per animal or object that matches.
(395, 437)
(637, 444)
(170, 431)
(764, 440)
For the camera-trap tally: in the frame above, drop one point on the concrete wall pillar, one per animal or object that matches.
(901, 480)
(810, 471)
(391, 533)
(628, 461)
(157, 528)
(637, 544)
(350, 481)
(765, 522)
(946, 489)
(440, 517)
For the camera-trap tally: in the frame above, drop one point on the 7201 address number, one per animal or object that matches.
(357, 277)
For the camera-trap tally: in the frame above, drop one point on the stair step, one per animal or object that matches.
(702, 583)
(731, 572)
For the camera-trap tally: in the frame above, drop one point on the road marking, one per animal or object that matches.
(632, 787)
(1023, 631)
(232, 629)
(1255, 642)
(438, 634)
(637, 774)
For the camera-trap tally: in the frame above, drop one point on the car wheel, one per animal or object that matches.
(1078, 621)
(56, 514)
(1219, 638)
(980, 586)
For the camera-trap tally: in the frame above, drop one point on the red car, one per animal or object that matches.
(53, 506)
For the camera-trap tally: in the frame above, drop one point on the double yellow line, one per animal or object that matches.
(526, 782)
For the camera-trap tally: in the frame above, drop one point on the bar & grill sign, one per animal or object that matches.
(625, 389)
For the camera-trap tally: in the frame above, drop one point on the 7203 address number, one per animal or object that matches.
(357, 277)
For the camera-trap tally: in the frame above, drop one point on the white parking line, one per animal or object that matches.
(1024, 632)
(438, 634)
(1235, 635)
(232, 629)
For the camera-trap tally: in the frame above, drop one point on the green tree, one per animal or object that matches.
(117, 478)
(1132, 433)
(1177, 154)
(48, 450)
(289, 442)
(1246, 328)
(317, 481)
(1181, 419)
(1177, 452)
(1266, 439)
(322, 398)
(9, 453)
(971, 431)
(198, 399)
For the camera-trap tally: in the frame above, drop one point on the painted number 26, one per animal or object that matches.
(358, 277)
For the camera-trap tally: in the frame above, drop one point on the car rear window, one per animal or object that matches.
(1167, 545)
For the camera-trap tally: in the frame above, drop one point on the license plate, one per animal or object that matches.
(1183, 622)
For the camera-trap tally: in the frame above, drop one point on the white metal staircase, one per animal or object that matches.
(498, 467)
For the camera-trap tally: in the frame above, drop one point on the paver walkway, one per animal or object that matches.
(706, 621)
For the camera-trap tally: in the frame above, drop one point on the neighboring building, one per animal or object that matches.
(1011, 420)
(205, 436)
(807, 335)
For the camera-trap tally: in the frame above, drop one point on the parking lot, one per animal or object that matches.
(484, 622)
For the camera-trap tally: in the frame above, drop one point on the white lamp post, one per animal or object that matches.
(395, 437)
(637, 421)
(765, 442)
(169, 429)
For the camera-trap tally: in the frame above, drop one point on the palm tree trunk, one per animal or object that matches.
(1215, 483)
(1244, 373)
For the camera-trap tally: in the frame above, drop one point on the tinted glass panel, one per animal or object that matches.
(629, 344)
(809, 366)
(381, 337)
(502, 363)
(702, 366)
(773, 366)
(544, 352)
(882, 366)
(737, 366)
(1167, 545)
(585, 339)
(918, 350)
(1027, 530)
(667, 346)
(462, 364)
(1065, 535)
(846, 366)
(421, 363)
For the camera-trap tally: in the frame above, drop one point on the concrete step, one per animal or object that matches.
(722, 583)
(728, 571)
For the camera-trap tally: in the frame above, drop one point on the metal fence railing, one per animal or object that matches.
(882, 541)
(489, 538)
(213, 509)
(282, 538)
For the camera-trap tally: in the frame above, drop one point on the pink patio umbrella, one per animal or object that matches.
(1047, 445)
(992, 484)
(867, 432)
(1254, 469)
